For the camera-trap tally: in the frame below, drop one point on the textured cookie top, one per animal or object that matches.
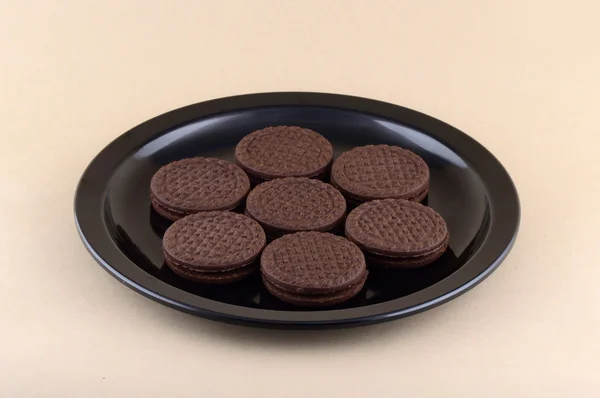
(214, 240)
(284, 151)
(312, 262)
(199, 184)
(379, 172)
(296, 204)
(396, 227)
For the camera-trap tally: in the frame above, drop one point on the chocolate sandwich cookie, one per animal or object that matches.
(197, 184)
(294, 204)
(398, 233)
(313, 269)
(380, 172)
(213, 247)
(284, 151)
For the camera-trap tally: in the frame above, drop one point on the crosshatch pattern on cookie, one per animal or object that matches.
(396, 226)
(381, 171)
(200, 184)
(296, 203)
(284, 151)
(313, 262)
(214, 239)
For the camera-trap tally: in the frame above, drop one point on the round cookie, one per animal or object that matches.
(213, 247)
(295, 204)
(313, 268)
(195, 185)
(398, 233)
(284, 151)
(380, 172)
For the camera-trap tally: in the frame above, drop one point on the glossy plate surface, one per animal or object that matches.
(469, 188)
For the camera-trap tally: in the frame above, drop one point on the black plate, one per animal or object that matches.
(469, 188)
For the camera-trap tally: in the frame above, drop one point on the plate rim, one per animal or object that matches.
(90, 197)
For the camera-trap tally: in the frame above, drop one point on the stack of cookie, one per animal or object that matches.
(284, 151)
(397, 233)
(295, 204)
(380, 172)
(313, 269)
(194, 185)
(213, 247)
(319, 254)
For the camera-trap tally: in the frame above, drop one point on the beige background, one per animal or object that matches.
(522, 77)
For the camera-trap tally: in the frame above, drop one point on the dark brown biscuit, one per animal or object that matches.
(379, 172)
(217, 246)
(396, 228)
(284, 151)
(312, 263)
(405, 262)
(164, 212)
(197, 184)
(213, 278)
(315, 300)
(295, 204)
